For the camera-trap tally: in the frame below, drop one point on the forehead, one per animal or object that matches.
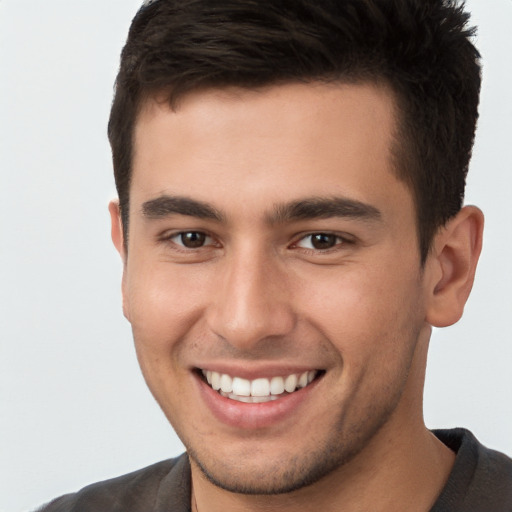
(278, 143)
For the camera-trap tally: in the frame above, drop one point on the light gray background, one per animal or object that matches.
(74, 408)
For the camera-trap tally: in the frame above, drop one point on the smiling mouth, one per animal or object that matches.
(259, 390)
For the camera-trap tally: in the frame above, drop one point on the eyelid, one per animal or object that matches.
(342, 240)
(171, 236)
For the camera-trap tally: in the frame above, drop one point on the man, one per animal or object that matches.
(290, 221)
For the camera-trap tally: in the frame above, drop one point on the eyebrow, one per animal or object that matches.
(324, 208)
(302, 209)
(165, 206)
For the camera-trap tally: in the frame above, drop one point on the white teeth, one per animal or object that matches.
(241, 387)
(303, 380)
(260, 387)
(277, 385)
(261, 399)
(290, 383)
(226, 383)
(250, 399)
(245, 399)
(258, 390)
(215, 381)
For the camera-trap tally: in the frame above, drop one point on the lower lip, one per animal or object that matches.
(243, 415)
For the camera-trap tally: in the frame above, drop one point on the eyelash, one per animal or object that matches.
(339, 240)
(181, 246)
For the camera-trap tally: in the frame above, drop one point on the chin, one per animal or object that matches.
(256, 474)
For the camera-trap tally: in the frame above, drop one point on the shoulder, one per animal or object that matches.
(139, 491)
(493, 474)
(481, 478)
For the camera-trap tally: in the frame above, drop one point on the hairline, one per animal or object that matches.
(401, 153)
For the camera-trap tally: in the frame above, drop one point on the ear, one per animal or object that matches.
(116, 231)
(116, 228)
(452, 266)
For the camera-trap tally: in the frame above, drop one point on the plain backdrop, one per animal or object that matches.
(73, 406)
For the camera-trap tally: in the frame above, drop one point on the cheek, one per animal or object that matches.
(164, 308)
(163, 304)
(367, 314)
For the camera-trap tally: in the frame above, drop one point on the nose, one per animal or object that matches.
(252, 303)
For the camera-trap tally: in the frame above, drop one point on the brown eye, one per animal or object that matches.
(323, 241)
(320, 241)
(192, 239)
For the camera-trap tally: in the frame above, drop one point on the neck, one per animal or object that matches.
(403, 463)
(413, 477)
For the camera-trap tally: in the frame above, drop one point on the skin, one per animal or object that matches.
(256, 297)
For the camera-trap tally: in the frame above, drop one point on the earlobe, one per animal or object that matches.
(116, 231)
(452, 266)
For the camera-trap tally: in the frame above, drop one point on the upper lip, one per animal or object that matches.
(253, 372)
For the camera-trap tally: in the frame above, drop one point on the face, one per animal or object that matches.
(273, 254)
